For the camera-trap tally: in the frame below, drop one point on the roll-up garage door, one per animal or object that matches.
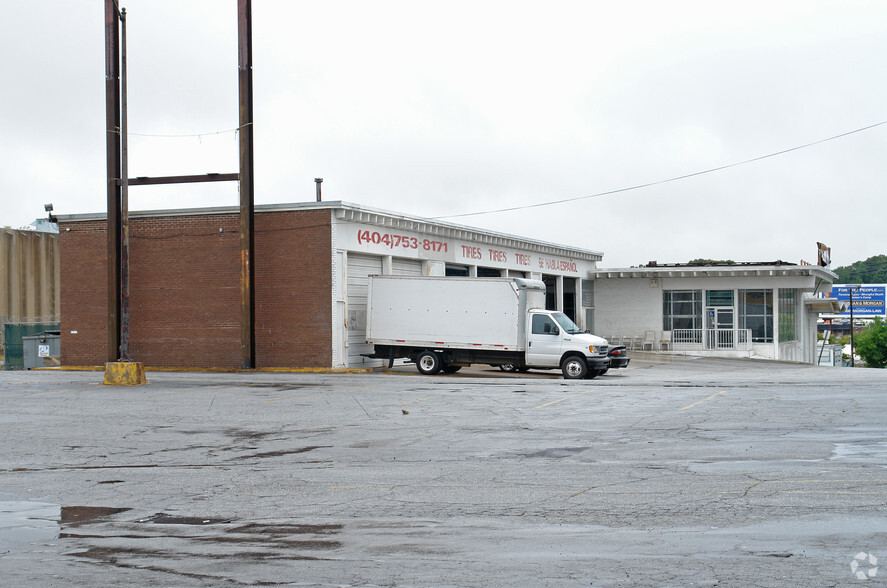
(406, 267)
(360, 267)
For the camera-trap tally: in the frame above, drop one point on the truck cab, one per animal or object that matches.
(553, 340)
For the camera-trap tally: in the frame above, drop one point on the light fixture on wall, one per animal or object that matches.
(48, 209)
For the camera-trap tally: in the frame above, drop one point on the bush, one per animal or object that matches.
(871, 344)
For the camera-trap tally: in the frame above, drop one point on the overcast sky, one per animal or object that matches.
(449, 108)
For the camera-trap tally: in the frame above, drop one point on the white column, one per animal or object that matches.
(776, 323)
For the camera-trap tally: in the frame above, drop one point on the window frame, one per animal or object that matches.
(764, 318)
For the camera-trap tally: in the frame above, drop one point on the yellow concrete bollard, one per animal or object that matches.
(124, 373)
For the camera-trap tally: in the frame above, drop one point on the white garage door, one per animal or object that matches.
(360, 267)
(406, 267)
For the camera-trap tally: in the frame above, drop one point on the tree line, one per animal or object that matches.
(871, 271)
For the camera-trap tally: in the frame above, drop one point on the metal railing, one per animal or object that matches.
(714, 339)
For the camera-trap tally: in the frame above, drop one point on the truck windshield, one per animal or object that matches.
(566, 324)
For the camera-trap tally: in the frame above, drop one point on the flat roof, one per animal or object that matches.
(744, 270)
(349, 212)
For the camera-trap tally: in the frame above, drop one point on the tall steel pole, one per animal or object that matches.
(247, 259)
(124, 202)
(852, 352)
(112, 139)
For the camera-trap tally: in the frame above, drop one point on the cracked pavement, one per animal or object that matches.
(674, 471)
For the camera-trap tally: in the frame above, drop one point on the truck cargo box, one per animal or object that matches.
(451, 312)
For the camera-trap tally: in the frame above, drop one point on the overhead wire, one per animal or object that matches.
(175, 136)
(659, 182)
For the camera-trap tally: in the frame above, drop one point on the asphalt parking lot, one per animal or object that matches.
(673, 472)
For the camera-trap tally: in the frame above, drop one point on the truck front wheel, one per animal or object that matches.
(428, 363)
(574, 368)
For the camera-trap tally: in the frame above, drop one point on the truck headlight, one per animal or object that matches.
(591, 349)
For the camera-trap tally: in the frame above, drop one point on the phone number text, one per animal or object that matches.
(400, 241)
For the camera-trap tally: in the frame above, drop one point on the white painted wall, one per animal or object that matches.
(628, 306)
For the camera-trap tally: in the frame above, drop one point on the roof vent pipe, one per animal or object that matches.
(318, 181)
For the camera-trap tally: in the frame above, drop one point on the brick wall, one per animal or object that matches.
(185, 291)
(293, 289)
(83, 275)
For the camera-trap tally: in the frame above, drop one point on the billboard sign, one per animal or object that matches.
(868, 299)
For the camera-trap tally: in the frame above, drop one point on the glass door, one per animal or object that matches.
(719, 326)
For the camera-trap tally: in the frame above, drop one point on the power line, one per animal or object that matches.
(674, 179)
(189, 134)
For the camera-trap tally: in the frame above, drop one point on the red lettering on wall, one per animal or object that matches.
(471, 252)
(499, 256)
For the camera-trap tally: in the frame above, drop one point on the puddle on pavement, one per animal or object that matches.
(166, 519)
(557, 452)
(77, 515)
(286, 529)
(30, 526)
(166, 541)
(282, 387)
(35, 530)
(283, 452)
(865, 451)
(25, 523)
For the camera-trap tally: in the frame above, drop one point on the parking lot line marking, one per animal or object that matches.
(716, 394)
(65, 391)
(411, 401)
(560, 400)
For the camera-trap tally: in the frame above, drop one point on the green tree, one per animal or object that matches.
(871, 271)
(704, 261)
(871, 344)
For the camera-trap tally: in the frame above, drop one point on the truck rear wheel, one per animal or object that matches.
(574, 368)
(428, 363)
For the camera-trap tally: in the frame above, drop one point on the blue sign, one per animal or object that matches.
(867, 300)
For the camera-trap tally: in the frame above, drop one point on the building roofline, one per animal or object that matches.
(349, 212)
(361, 214)
(735, 271)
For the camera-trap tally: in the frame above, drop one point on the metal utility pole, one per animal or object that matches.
(852, 352)
(112, 140)
(247, 240)
(118, 186)
(124, 204)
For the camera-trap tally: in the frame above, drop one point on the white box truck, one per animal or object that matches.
(445, 323)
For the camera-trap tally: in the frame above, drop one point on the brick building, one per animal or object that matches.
(311, 263)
